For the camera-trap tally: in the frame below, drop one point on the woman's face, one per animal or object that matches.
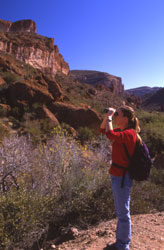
(120, 120)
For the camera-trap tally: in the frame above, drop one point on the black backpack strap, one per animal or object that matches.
(124, 169)
(127, 152)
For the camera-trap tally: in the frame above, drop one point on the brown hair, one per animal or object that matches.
(133, 121)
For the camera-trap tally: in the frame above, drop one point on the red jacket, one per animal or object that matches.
(118, 137)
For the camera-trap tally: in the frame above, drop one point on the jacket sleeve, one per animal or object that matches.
(116, 135)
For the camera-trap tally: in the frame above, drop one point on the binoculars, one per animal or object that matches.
(107, 109)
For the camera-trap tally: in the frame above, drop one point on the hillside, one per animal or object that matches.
(34, 87)
(151, 99)
(96, 78)
(147, 233)
(142, 91)
(154, 101)
(55, 188)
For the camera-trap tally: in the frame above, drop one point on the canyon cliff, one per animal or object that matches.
(36, 81)
(21, 40)
(98, 79)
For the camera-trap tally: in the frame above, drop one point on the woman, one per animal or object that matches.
(126, 133)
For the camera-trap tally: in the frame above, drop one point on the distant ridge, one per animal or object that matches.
(154, 101)
(142, 91)
(97, 78)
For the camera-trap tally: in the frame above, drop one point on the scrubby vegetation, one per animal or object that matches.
(152, 130)
(46, 186)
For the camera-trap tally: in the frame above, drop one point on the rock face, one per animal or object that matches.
(98, 79)
(4, 25)
(20, 39)
(23, 26)
(18, 26)
(155, 101)
(142, 91)
(77, 116)
(25, 89)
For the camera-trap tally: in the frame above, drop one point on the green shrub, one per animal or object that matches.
(54, 184)
(23, 219)
(61, 183)
(159, 161)
(84, 134)
(4, 132)
(152, 130)
(157, 176)
(39, 130)
(147, 197)
(9, 77)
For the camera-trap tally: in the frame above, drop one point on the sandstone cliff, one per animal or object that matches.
(97, 78)
(21, 40)
(24, 89)
(142, 91)
(35, 79)
(18, 26)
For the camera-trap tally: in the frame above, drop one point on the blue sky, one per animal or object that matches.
(121, 37)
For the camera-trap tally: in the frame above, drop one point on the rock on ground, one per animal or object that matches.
(147, 234)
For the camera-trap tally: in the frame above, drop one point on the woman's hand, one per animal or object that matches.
(108, 119)
(111, 112)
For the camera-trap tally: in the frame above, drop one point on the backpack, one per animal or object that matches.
(139, 164)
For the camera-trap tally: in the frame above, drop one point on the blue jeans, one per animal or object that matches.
(122, 206)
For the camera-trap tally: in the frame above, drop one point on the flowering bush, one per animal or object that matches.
(44, 183)
(59, 182)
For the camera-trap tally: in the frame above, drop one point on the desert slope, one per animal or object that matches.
(147, 234)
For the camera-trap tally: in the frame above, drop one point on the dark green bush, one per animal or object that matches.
(84, 134)
(147, 197)
(23, 219)
(4, 132)
(152, 130)
(157, 176)
(9, 77)
(60, 183)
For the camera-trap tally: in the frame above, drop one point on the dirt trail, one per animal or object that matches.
(147, 234)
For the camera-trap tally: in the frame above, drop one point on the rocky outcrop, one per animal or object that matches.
(27, 90)
(142, 91)
(1, 81)
(4, 25)
(18, 26)
(77, 116)
(20, 39)
(25, 86)
(23, 26)
(44, 112)
(154, 101)
(98, 79)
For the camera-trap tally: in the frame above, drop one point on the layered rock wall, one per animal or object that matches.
(18, 26)
(4, 25)
(96, 78)
(20, 39)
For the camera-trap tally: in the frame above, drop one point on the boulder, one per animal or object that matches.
(76, 116)
(50, 116)
(1, 81)
(23, 91)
